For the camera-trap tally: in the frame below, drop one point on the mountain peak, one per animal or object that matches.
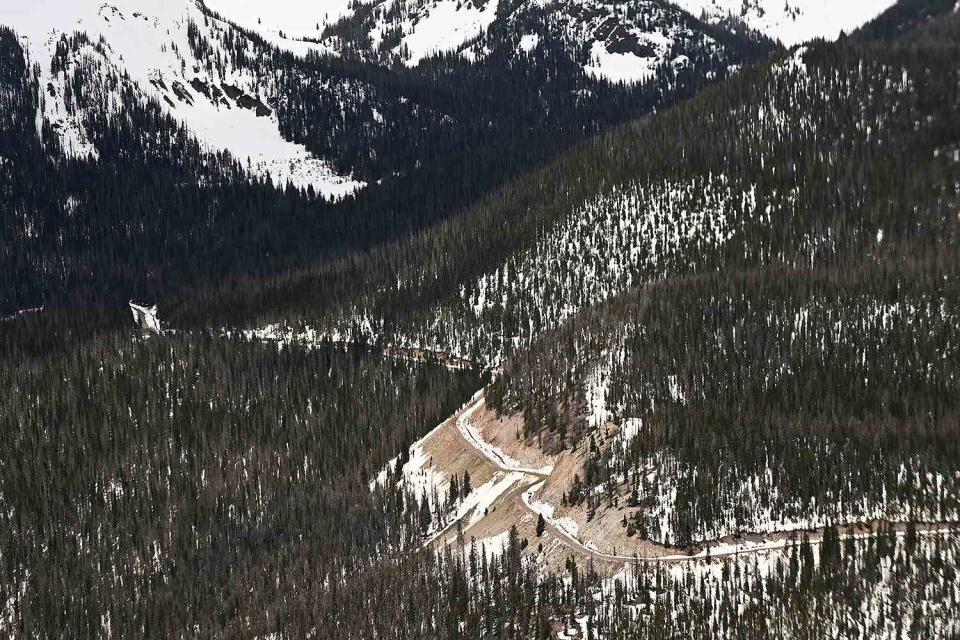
(175, 54)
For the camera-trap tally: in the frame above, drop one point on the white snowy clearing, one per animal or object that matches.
(792, 21)
(285, 23)
(628, 67)
(149, 42)
(437, 27)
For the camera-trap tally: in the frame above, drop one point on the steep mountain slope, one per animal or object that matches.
(225, 112)
(791, 21)
(155, 50)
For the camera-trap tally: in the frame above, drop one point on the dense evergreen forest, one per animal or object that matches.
(889, 586)
(189, 485)
(760, 280)
(797, 352)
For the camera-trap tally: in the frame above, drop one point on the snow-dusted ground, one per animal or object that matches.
(475, 504)
(148, 41)
(448, 25)
(285, 335)
(494, 545)
(793, 21)
(295, 19)
(628, 67)
(880, 611)
(609, 244)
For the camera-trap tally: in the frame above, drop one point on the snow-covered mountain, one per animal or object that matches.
(193, 57)
(411, 30)
(619, 41)
(174, 53)
(791, 21)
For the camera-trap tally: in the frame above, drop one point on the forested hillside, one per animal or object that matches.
(796, 349)
(177, 486)
(752, 174)
(678, 358)
(764, 278)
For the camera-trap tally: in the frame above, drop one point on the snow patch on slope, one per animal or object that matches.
(419, 476)
(481, 499)
(149, 43)
(498, 457)
(629, 67)
(792, 21)
(448, 25)
(285, 23)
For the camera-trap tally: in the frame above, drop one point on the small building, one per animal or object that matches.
(145, 318)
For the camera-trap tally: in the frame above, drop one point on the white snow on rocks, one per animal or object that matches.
(792, 21)
(448, 25)
(148, 42)
(629, 68)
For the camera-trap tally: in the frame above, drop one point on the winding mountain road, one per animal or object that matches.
(723, 548)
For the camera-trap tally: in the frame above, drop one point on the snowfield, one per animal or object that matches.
(148, 42)
(285, 23)
(629, 67)
(449, 25)
(792, 21)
